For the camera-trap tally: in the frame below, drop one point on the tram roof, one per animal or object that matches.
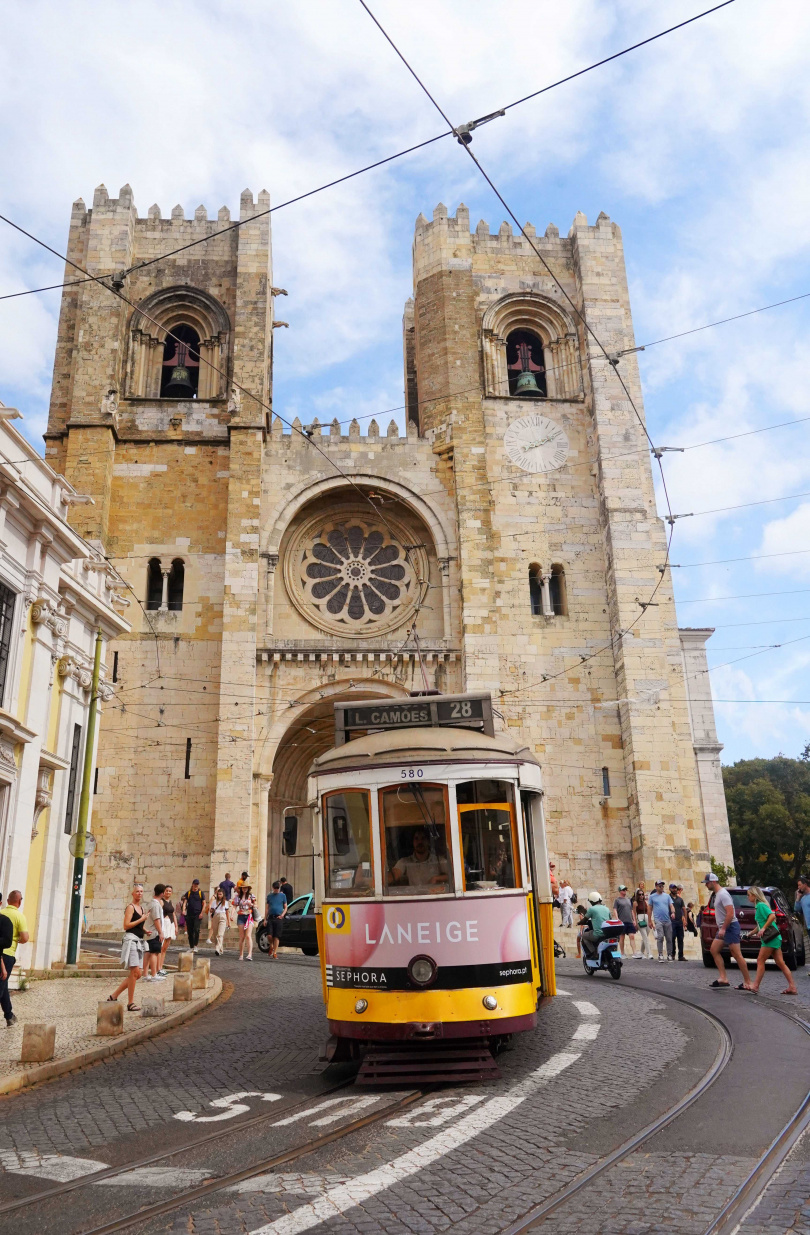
(464, 745)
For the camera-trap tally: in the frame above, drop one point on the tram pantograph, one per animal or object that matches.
(432, 889)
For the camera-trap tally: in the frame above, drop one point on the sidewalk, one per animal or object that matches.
(70, 1004)
(568, 938)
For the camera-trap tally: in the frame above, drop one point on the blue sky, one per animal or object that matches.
(695, 145)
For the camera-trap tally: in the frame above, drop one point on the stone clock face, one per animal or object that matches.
(536, 444)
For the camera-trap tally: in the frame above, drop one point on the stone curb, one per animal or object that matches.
(71, 1063)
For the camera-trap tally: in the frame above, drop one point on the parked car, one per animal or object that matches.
(787, 922)
(299, 927)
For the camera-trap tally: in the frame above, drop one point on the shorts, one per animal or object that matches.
(275, 927)
(243, 918)
(732, 934)
(155, 944)
(629, 928)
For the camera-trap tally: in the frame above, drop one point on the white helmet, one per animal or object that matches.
(594, 898)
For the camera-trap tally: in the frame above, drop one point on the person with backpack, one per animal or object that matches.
(192, 907)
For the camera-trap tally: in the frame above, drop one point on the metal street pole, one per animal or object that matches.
(84, 810)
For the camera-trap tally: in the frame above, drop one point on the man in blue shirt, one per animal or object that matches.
(228, 886)
(802, 904)
(663, 914)
(276, 910)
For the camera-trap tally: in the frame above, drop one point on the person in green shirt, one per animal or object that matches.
(595, 916)
(772, 950)
(19, 934)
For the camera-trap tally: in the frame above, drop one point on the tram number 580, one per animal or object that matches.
(412, 774)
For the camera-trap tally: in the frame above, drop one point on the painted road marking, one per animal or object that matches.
(48, 1166)
(297, 1185)
(586, 1009)
(158, 1177)
(346, 1106)
(587, 1032)
(346, 1196)
(233, 1105)
(415, 1119)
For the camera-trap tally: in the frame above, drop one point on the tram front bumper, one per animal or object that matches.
(431, 1014)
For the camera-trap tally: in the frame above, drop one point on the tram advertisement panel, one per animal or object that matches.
(473, 942)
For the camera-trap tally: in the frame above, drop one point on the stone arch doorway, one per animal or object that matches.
(310, 734)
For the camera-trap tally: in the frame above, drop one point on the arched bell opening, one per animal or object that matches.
(525, 364)
(181, 363)
(310, 734)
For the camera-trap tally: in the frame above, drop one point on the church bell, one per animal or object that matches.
(179, 386)
(527, 385)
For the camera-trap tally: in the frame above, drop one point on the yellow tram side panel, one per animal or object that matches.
(546, 915)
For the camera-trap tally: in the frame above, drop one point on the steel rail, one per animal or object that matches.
(111, 1171)
(724, 1052)
(227, 1181)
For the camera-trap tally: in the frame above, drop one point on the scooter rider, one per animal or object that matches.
(594, 916)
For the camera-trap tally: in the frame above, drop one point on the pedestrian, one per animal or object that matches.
(286, 888)
(580, 924)
(228, 886)
(728, 935)
(132, 947)
(245, 905)
(663, 912)
(770, 948)
(220, 919)
(595, 917)
(169, 927)
(678, 921)
(193, 907)
(15, 918)
(154, 937)
(642, 911)
(566, 898)
(691, 924)
(274, 915)
(802, 904)
(624, 911)
(240, 883)
(552, 874)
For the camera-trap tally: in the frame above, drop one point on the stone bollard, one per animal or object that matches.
(200, 975)
(153, 1005)
(110, 1019)
(38, 1044)
(185, 962)
(182, 986)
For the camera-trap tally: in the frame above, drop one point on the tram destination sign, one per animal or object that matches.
(429, 711)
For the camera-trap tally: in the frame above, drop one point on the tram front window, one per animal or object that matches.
(414, 819)
(349, 867)
(487, 835)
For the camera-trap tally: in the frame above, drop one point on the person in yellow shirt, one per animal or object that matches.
(10, 917)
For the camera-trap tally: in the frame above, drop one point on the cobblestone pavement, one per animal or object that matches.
(638, 1054)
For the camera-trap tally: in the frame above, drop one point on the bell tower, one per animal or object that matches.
(148, 422)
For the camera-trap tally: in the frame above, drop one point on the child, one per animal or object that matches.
(580, 925)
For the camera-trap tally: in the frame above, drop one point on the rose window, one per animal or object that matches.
(355, 573)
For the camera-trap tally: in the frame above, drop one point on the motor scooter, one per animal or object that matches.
(607, 955)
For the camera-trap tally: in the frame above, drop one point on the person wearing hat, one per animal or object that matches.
(663, 913)
(728, 936)
(624, 911)
(679, 921)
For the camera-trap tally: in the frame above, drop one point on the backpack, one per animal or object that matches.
(573, 898)
(6, 932)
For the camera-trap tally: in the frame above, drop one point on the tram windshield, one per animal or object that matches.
(414, 826)
(348, 843)
(488, 847)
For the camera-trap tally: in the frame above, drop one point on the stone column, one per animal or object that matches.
(548, 607)
(164, 600)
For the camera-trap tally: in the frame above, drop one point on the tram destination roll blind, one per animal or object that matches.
(456, 711)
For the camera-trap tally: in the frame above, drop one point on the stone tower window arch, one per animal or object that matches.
(524, 317)
(187, 312)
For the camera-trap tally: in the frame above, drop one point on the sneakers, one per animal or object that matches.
(161, 973)
(10, 1021)
(148, 978)
(248, 958)
(662, 960)
(160, 977)
(637, 956)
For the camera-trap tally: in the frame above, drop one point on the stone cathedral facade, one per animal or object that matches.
(513, 524)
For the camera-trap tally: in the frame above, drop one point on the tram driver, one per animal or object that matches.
(423, 868)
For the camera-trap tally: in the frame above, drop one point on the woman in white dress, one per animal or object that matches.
(169, 926)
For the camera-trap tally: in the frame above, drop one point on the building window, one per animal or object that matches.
(176, 580)
(7, 598)
(605, 783)
(154, 584)
(559, 600)
(525, 365)
(536, 589)
(187, 773)
(115, 667)
(73, 777)
(181, 364)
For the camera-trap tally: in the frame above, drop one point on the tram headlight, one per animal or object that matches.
(490, 1003)
(422, 971)
(361, 1005)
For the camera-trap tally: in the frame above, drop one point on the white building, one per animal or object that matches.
(56, 591)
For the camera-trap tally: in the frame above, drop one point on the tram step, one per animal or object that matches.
(427, 1065)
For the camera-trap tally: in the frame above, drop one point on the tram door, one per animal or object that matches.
(542, 901)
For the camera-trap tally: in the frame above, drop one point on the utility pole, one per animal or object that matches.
(84, 810)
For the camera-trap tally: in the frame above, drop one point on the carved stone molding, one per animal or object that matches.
(43, 796)
(7, 755)
(105, 692)
(45, 613)
(69, 667)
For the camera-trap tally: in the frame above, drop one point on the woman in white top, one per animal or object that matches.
(220, 920)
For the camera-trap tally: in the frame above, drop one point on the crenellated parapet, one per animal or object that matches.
(336, 432)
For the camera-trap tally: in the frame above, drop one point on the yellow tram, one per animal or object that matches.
(432, 889)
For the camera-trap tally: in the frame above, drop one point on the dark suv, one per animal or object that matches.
(789, 927)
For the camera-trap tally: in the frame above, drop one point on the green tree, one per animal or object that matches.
(769, 815)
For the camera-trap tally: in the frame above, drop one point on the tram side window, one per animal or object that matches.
(487, 835)
(349, 870)
(416, 843)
